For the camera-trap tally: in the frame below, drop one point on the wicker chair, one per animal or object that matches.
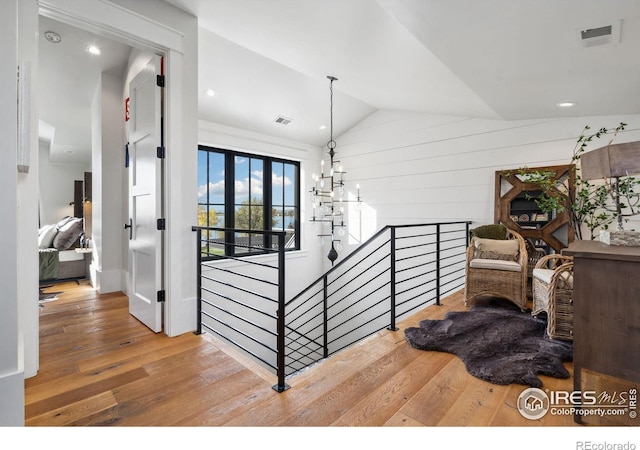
(534, 254)
(489, 276)
(553, 294)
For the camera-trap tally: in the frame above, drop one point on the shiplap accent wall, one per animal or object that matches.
(419, 168)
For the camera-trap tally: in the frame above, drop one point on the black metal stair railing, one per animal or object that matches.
(395, 272)
(241, 301)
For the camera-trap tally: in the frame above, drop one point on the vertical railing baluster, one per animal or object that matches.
(325, 316)
(199, 280)
(438, 264)
(280, 326)
(392, 250)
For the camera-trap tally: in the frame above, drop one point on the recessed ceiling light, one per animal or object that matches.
(210, 93)
(93, 50)
(323, 127)
(565, 104)
(52, 37)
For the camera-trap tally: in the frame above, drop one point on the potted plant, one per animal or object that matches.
(593, 205)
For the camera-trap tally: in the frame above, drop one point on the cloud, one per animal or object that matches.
(242, 186)
(280, 181)
(213, 188)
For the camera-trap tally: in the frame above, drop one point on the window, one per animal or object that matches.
(236, 192)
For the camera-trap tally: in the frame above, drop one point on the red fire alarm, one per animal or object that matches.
(126, 110)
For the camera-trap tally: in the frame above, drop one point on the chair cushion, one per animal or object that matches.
(506, 250)
(545, 275)
(491, 231)
(495, 264)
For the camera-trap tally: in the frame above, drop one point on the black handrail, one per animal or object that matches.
(340, 264)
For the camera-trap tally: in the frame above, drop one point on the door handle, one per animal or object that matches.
(130, 227)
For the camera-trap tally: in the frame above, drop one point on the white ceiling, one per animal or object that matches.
(67, 79)
(508, 59)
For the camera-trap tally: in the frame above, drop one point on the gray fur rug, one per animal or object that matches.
(497, 343)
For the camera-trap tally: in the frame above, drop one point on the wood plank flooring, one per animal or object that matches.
(99, 366)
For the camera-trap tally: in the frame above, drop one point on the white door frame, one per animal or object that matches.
(131, 25)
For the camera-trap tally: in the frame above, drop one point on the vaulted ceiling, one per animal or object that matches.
(502, 59)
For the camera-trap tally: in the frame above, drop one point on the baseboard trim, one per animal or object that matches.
(108, 281)
(12, 400)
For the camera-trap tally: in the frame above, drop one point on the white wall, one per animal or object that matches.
(108, 142)
(419, 168)
(27, 260)
(10, 371)
(18, 240)
(56, 186)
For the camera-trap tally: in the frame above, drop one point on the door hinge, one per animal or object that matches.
(161, 224)
(160, 80)
(160, 152)
(161, 296)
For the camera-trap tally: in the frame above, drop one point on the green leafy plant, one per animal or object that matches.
(594, 205)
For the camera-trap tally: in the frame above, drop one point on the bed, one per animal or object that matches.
(56, 245)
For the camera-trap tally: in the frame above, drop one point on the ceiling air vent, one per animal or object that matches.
(283, 120)
(598, 36)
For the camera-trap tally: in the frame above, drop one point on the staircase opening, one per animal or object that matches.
(397, 272)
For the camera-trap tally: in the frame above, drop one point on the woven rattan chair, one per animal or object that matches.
(534, 254)
(541, 278)
(497, 277)
(553, 294)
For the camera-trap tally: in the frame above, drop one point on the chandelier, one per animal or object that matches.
(327, 195)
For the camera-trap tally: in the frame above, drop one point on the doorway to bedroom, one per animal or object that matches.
(78, 71)
(101, 120)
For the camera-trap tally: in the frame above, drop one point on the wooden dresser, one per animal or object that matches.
(606, 296)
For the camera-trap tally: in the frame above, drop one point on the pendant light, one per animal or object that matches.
(327, 194)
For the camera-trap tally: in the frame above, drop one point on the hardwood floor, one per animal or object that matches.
(100, 366)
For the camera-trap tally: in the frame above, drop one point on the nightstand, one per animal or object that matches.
(87, 263)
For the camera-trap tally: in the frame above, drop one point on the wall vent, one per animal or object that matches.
(283, 120)
(599, 36)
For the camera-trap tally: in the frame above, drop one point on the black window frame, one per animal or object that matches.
(268, 242)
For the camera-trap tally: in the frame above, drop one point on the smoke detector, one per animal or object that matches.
(283, 120)
(52, 37)
(598, 36)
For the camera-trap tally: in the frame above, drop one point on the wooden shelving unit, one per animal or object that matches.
(515, 207)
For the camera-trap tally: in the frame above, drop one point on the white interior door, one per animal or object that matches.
(145, 197)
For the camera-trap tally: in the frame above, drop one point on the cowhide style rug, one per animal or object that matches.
(497, 343)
